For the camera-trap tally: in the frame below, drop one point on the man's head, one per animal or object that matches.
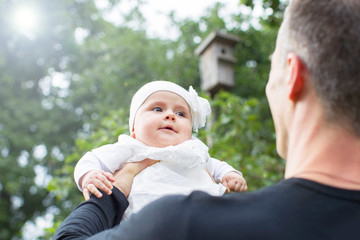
(325, 37)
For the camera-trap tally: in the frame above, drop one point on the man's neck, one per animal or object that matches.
(324, 153)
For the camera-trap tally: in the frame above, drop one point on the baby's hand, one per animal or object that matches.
(94, 180)
(233, 181)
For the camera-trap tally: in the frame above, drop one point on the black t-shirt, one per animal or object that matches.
(291, 209)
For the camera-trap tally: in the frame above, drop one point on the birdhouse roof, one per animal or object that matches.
(220, 37)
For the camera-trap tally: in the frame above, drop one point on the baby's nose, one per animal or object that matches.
(170, 116)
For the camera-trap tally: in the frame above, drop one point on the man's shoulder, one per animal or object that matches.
(198, 200)
(200, 215)
(291, 209)
(201, 207)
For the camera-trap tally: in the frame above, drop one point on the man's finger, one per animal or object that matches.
(104, 188)
(94, 190)
(139, 166)
(86, 194)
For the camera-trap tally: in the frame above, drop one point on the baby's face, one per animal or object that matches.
(164, 119)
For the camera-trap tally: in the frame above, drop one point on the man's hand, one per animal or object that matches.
(94, 180)
(124, 178)
(233, 181)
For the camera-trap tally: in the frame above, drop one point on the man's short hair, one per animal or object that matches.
(326, 36)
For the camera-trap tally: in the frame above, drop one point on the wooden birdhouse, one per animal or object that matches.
(217, 61)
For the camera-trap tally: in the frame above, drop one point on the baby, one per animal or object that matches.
(162, 117)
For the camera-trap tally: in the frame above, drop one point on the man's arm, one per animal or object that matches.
(165, 218)
(99, 214)
(175, 217)
(93, 216)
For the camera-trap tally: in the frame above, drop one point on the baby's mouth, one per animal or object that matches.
(169, 127)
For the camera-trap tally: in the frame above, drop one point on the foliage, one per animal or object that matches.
(63, 93)
(64, 187)
(273, 8)
(32, 139)
(241, 133)
(253, 64)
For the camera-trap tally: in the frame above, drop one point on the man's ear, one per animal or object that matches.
(295, 81)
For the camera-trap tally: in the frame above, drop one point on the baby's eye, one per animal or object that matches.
(157, 109)
(180, 114)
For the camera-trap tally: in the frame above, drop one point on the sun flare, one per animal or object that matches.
(26, 20)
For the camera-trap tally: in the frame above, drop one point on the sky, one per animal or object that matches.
(156, 11)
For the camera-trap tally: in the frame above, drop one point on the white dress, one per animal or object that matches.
(181, 170)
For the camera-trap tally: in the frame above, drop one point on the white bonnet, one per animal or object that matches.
(200, 107)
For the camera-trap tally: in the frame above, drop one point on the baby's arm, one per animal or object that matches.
(222, 172)
(91, 174)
